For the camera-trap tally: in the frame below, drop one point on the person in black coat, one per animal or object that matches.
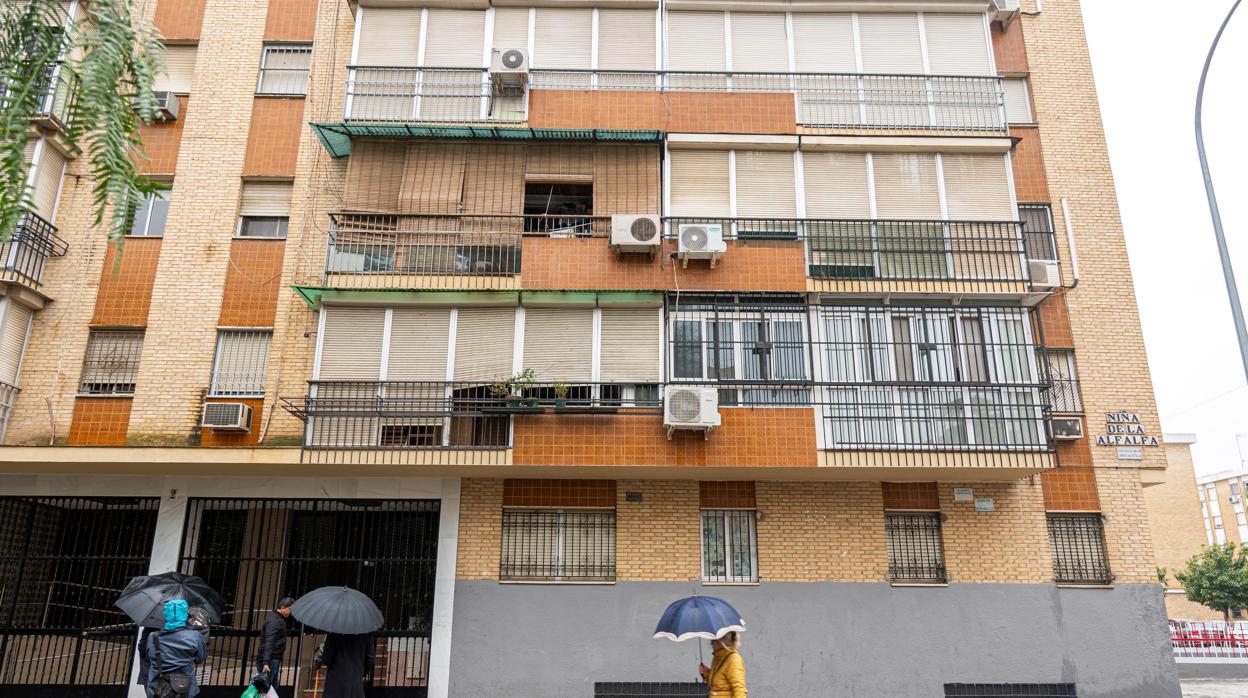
(348, 659)
(273, 642)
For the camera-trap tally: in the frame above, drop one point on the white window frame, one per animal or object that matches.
(145, 207)
(725, 515)
(269, 47)
(215, 385)
(736, 346)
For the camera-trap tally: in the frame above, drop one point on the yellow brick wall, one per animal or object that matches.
(1010, 544)
(658, 538)
(1128, 537)
(480, 529)
(1174, 513)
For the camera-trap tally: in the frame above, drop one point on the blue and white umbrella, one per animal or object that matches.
(704, 617)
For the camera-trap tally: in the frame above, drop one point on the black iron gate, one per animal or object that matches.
(63, 561)
(255, 551)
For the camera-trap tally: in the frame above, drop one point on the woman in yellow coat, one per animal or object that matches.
(726, 675)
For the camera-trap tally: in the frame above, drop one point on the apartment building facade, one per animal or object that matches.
(529, 318)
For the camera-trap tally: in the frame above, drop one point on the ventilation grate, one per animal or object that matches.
(1012, 690)
(649, 690)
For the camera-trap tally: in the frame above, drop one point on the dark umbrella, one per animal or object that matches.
(144, 598)
(340, 610)
(703, 617)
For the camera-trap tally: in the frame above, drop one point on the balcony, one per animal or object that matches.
(683, 101)
(54, 97)
(22, 258)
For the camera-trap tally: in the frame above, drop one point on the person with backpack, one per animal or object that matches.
(172, 655)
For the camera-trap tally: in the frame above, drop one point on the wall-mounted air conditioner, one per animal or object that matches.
(691, 407)
(1067, 428)
(509, 70)
(700, 241)
(635, 233)
(227, 416)
(1005, 11)
(1044, 273)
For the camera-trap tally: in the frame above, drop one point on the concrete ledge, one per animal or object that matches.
(1191, 668)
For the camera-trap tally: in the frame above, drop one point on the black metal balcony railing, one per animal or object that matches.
(22, 258)
(828, 100)
(55, 95)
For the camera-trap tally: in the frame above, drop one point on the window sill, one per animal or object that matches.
(1069, 585)
(258, 237)
(289, 95)
(919, 584)
(706, 583)
(556, 582)
(125, 395)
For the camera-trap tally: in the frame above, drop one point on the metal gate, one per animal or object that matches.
(255, 551)
(63, 561)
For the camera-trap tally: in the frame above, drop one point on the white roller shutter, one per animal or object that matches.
(956, 44)
(765, 184)
(1017, 101)
(13, 340)
(179, 67)
(890, 43)
(977, 188)
(699, 183)
(351, 344)
(30, 150)
(695, 41)
(563, 38)
(822, 43)
(419, 338)
(265, 199)
(389, 36)
(511, 28)
(759, 42)
(484, 338)
(48, 180)
(454, 38)
(626, 39)
(629, 345)
(906, 186)
(559, 343)
(836, 185)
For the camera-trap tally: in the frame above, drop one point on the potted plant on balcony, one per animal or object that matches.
(561, 394)
(512, 389)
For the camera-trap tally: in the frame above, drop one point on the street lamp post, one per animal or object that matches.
(1228, 271)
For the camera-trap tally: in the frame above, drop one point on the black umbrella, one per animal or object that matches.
(341, 610)
(144, 598)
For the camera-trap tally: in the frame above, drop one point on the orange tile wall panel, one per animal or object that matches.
(214, 437)
(125, 293)
(558, 493)
(180, 19)
(1010, 49)
(1030, 182)
(911, 495)
(772, 436)
(273, 141)
(719, 494)
(100, 421)
(161, 142)
(679, 112)
(1072, 485)
(290, 20)
(588, 263)
(252, 283)
(1054, 316)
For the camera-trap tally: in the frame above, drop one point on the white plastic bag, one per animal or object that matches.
(272, 693)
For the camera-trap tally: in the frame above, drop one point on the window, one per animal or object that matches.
(1079, 549)
(916, 550)
(111, 364)
(241, 363)
(562, 209)
(1017, 101)
(1063, 393)
(729, 546)
(150, 214)
(284, 69)
(262, 226)
(1038, 240)
(1234, 488)
(264, 209)
(558, 545)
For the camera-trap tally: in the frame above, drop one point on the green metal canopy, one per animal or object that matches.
(336, 137)
(314, 296)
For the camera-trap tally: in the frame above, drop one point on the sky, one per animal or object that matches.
(1147, 60)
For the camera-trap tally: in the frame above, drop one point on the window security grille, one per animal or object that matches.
(284, 69)
(1038, 238)
(263, 227)
(150, 214)
(916, 551)
(729, 546)
(1079, 555)
(558, 545)
(111, 364)
(241, 363)
(1063, 392)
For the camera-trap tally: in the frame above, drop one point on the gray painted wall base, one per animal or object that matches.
(824, 639)
(1213, 670)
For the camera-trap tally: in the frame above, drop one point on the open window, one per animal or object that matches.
(561, 209)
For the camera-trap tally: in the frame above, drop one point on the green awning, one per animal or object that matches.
(336, 137)
(314, 296)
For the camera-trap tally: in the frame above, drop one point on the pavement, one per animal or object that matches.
(1215, 688)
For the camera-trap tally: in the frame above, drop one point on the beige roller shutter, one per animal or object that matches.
(695, 41)
(389, 36)
(419, 338)
(13, 340)
(179, 67)
(905, 186)
(265, 199)
(351, 345)
(699, 183)
(759, 42)
(765, 185)
(559, 343)
(956, 44)
(890, 43)
(977, 188)
(48, 180)
(563, 38)
(433, 179)
(629, 345)
(372, 171)
(30, 150)
(511, 28)
(836, 185)
(484, 338)
(822, 43)
(454, 38)
(626, 39)
(1017, 101)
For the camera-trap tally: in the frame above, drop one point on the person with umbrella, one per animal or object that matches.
(273, 642)
(144, 600)
(172, 655)
(725, 677)
(713, 619)
(350, 619)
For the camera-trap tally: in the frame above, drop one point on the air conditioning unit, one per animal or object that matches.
(1044, 273)
(1067, 428)
(227, 416)
(635, 233)
(701, 241)
(167, 105)
(509, 70)
(1005, 11)
(690, 407)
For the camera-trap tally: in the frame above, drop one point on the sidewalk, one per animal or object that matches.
(1215, 688)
